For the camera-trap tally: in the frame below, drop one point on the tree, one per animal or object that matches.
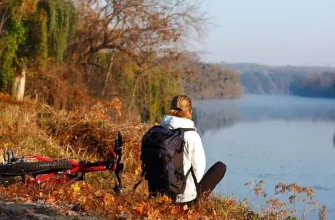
(135, 27)
(118, 48)
(32, 31)
(13, 37)
(148, 33)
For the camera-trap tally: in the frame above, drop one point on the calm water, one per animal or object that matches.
(273, 138)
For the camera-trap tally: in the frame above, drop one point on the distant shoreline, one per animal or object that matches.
(314, 82)
(301, 96)
(276, 66)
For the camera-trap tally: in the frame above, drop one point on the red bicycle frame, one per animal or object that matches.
(112, 164)
(77, 167)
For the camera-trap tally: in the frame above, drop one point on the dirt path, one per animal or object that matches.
(12, 211)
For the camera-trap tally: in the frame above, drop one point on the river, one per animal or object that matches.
(273, 138)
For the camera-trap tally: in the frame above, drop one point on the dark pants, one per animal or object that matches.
(212, 177)
(208, 182)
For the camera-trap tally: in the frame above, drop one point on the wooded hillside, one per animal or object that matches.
(302, 81)
(212, 81)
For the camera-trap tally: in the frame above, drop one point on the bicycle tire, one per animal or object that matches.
(18, 169)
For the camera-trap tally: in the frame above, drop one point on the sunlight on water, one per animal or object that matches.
(275, 138)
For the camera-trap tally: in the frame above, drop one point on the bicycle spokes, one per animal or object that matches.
(9, 156)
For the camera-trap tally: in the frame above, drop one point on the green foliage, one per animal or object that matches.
(150, 91)
(43, 46)
(154, 100)
(36, 46)
(162, 88)
(100, 58)
(34, 30)
(61, 25)
(14, 38)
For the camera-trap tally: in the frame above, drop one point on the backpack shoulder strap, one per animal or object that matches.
(142, 175)
(197, 186)
(191, 169)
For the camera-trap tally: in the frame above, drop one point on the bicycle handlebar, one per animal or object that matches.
(119, 166)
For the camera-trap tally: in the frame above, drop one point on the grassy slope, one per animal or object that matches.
(31, 128)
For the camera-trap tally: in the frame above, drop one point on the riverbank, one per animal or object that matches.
(30, 128)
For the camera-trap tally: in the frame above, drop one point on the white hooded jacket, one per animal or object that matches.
(193, 155)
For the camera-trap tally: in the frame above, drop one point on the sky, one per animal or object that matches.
(271, 32)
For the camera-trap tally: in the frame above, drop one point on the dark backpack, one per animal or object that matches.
(162, 161)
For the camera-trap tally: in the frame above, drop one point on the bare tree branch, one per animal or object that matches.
(134, 26)
(95, 64)
(4, 15)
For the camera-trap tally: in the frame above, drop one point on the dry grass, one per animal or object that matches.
(31, 128)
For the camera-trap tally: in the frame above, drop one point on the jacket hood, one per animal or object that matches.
(173, 122)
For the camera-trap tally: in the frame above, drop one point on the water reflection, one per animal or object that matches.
(212, 115)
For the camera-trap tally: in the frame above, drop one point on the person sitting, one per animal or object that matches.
(180, 116)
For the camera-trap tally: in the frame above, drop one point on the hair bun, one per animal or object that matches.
(181, 106)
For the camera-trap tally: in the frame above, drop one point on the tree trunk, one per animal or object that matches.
(109, 70)
(133, 94)
(3, 19)
(19, 85)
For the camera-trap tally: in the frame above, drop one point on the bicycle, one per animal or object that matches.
(45, 168)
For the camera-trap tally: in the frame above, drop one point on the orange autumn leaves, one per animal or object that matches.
(88, 199)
